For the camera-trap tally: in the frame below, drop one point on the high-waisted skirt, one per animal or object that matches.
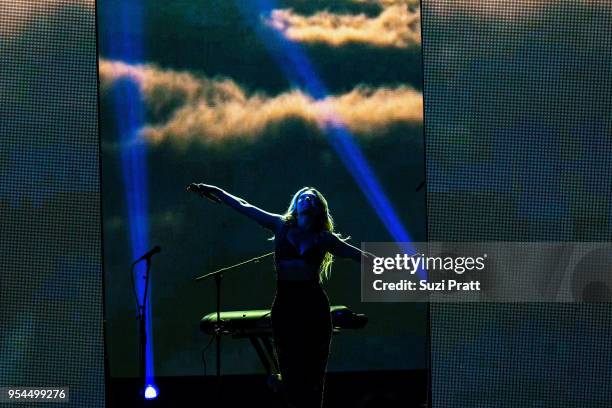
(302, 328)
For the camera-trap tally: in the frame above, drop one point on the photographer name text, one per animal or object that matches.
(423, 285)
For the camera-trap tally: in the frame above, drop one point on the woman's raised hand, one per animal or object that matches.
(205, 190)
(197, 187)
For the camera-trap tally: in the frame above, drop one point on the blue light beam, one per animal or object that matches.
(129, 118)
(291, 58)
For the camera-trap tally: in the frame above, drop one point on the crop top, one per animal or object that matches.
(285, 250)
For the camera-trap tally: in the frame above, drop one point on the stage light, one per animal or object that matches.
(150, 392)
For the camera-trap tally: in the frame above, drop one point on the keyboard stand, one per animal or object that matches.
(265, 351)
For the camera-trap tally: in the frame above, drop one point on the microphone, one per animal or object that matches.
(203, 192)
(149, 255)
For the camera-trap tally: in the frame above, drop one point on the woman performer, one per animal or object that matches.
(304, 246)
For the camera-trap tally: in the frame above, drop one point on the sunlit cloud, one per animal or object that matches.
(386, 3)
(397, 25)
(197, 108)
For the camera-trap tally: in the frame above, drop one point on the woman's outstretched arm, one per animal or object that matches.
(343, 249)
(266, 219)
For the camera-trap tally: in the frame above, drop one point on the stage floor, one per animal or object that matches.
(389, 389)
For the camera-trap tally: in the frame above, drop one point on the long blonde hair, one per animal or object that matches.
(322, 222)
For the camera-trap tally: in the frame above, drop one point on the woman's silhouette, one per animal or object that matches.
(304, 246)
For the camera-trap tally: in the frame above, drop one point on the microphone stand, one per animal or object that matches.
(142, 324)
(219, 328)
